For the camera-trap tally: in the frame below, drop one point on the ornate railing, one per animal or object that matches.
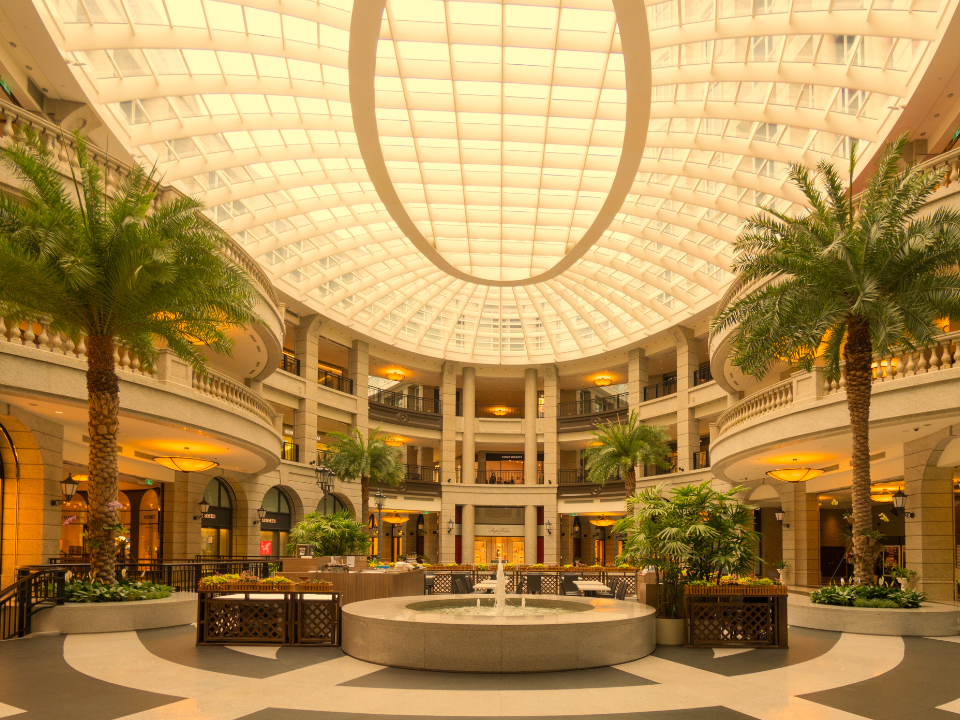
(222, 388)
(63, 148)
(33, 590)
(662, 389)
(334, 381)
(289, 363)
(400, 400)
(594, 405)
(766, 401)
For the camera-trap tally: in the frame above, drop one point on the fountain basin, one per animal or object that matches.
(586, 633)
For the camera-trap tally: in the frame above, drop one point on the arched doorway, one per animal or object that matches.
(329, 505)
(276, 523)
(216, 525)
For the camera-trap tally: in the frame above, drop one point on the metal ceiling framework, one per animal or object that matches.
(459, 177)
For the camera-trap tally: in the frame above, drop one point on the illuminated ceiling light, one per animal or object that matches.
(794, 475)
(499, 411)
(395, 375)
(394, 518)
(602, 521)
(186, 464)
(602, 381)
(882, 497)
(395, 441)
(596, 443)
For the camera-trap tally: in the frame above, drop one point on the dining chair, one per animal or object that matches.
(622, 590)
(614, 587)
(534, 584)
(567, 584)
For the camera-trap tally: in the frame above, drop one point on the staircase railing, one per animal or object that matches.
(33, 591)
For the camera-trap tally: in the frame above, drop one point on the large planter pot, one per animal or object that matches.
(784, 576)
(669, 631)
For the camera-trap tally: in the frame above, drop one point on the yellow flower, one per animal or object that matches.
(884, 517)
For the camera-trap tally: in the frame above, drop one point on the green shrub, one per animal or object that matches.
(875, 596)
(86, 591)
(865, 603)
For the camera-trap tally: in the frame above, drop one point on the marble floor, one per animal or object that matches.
(163, 675)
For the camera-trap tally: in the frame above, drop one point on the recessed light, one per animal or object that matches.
(13, 44)
(950, 95)
(936, 115)
(922, 134)
(59, 412)
(29, 68)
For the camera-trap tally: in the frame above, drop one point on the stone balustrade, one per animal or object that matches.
(944, 355)
(767, 400)
(231, 392)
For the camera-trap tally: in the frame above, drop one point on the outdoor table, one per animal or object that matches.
(486, 585)
(590, 587)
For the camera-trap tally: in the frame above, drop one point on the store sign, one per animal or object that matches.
(304, 551)
(498, 530)
(217, 517)
(266, 547)
(276, 521)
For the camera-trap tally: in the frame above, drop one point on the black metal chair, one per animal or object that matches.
(622, 590)
(428, 580)
(614, 587)
(534, 584)
(460, 587)
(518, 589)
(567, 585)
(465, 578)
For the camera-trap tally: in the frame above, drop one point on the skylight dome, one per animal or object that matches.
(504, 181)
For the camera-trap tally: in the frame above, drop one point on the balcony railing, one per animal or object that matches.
(406, 402)
(500, 411)
(595, 405)
(652, 392)
(334, 381)
(579, 477)
(501, 477)
(654, 470)
(289, 363)
(422, 473)
(701, 460)
(291, 452)
(702, 375)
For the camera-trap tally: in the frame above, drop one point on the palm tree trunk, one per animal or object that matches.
(858, 355)
(365, 500)
(103, 398)
(630, 482)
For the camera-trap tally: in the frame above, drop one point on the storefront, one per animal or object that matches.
(499, 535)
(216, 525)
(275, 525)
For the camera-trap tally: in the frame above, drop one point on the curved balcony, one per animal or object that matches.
(807, 414)
(252, 359)
(400, 409)
(50, 367)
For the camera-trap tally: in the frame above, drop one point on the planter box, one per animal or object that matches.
(735, 616)
(230, 587)
(324, 586)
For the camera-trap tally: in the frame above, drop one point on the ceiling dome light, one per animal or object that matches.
(602, 381)
(499, 411)
(602, 521)
(186, 464)
(394, 518)
(395, 375)
(395, 441)
(794, 475)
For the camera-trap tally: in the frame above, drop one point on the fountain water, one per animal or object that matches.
(500, 592)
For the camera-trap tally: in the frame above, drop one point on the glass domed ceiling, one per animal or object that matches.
(507, 181)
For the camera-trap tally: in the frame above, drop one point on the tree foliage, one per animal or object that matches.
(697, 533)
(367, 457)
(622, 448)
(337, 534)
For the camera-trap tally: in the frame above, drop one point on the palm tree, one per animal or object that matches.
(848, 279)
(620, 448)
(118, 269)
(337, 534)
(357, 455)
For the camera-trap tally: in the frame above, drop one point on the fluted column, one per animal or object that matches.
(530, 426)
(637, 377)
(688, 427)
(468, 469)
(551, 446)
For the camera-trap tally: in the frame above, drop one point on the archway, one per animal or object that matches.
(216, 524)
(275, 522)
(24, 498)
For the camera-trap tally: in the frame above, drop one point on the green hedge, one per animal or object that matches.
(869, 596)
(85, 591)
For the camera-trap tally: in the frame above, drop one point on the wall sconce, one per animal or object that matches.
(779, 515)
(549, 527)
(899, 501)
(261, 514)
(450, 524)
(68, 487)
(204, 509)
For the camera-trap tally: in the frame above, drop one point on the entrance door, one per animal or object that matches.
(397, 549)
(479, 552)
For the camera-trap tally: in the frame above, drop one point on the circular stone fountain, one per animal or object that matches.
(532, 633)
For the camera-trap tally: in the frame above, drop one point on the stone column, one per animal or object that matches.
(530, 534)
(801, 540)
(930, 535)
(551, 540)
(466, 532)
(530, 426)
(306, 338)
(637, 377)
(181, 510)
(446, 538)
(448, 433)
(688, 427)
(468, 451)
(551, 445)
(358, 369)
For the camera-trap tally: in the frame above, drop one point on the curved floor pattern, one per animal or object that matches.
(163, 675)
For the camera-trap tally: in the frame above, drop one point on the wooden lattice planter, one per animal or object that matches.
(735, 616)
(297, 618)
(323, 586)
(232, 587)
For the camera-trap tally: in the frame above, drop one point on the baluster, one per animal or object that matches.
(922, 364)
(63, 156)
(3, 330)
(935, 358)
(15, 332)
(8, 126)
(135, 364)
(910, 370)
(28, 335)
(56, 341)
(82, 347)
(69, 348)
(116, 353)
(43, 340)
(843, 380)
(946, 360)
(956, 353)
(125, 359)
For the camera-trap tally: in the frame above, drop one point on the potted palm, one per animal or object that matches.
(694, 534)
(335, 535)
(366, 457)
(848, 280)
(113, 268)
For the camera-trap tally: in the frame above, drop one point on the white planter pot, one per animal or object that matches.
(669, 632)
(784, 577)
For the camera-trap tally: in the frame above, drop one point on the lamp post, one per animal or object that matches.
(69, 488)
(378, 501)
(899, 502)
(324, 478)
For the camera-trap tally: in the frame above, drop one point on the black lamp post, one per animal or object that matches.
(378, 500)
(899, 502)
(69, 488)
(261, 514)
(324, 477)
